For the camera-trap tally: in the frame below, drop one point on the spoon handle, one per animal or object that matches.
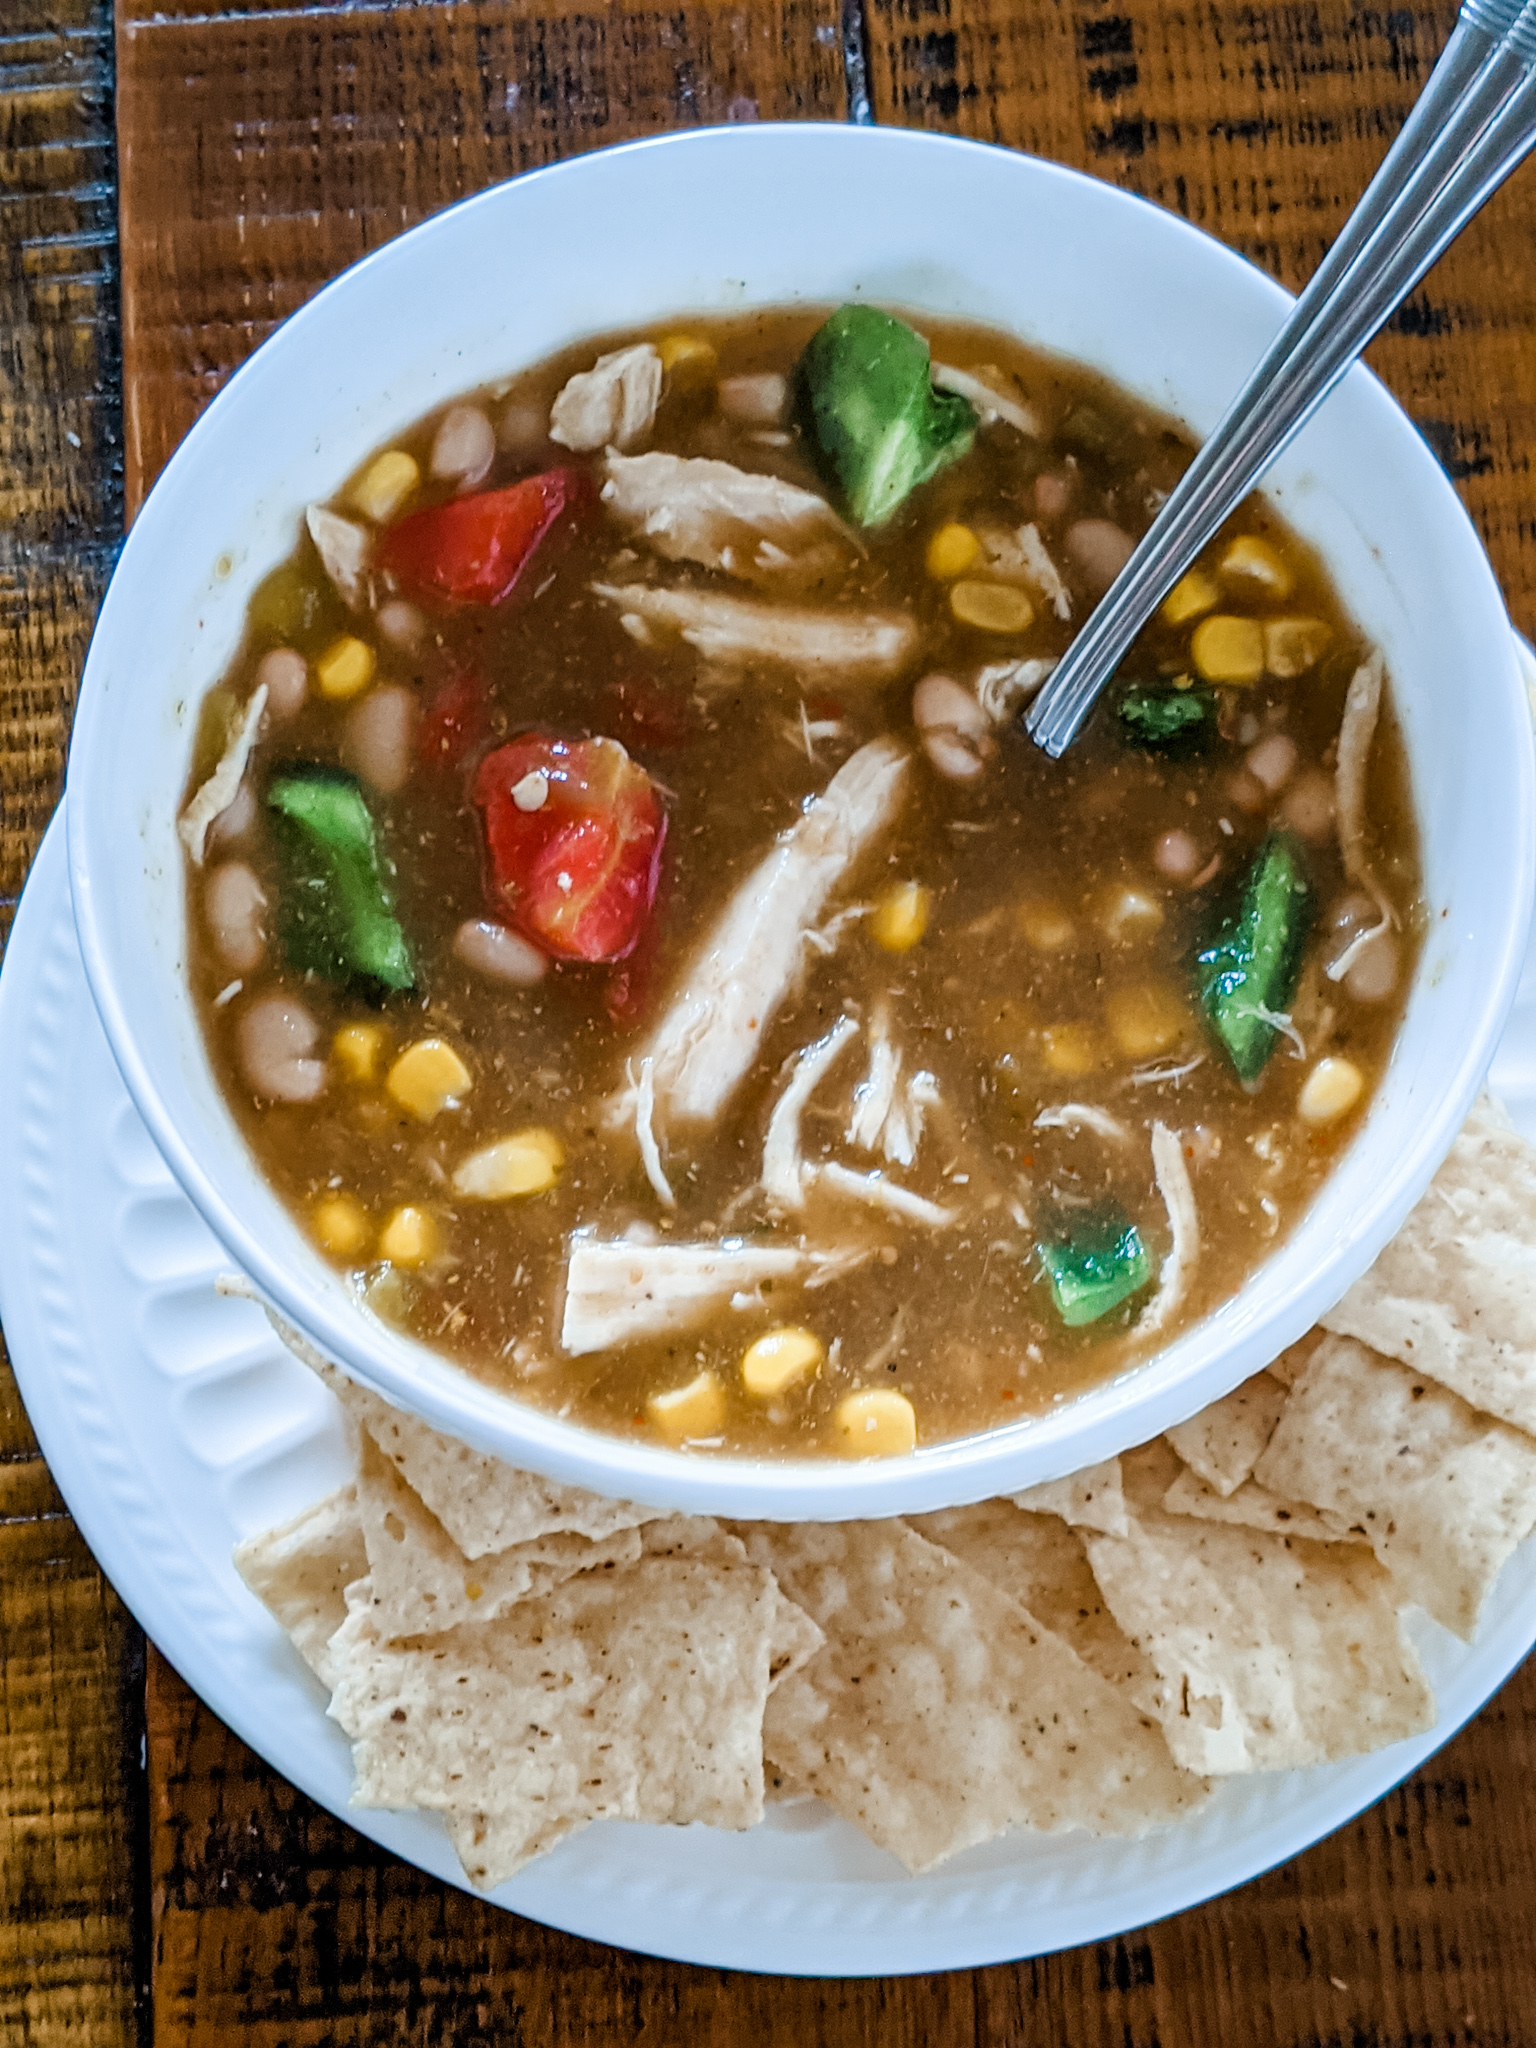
(1468, 130)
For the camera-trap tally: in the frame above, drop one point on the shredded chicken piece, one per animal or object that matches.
(1277, 1020)
(808, 731)
(1184, 1222)
(1004, 687)
(858, 646)
(709, 1037)
(650, 1151)
(1357, 730)
(1083, 1116)
(783, 1169)
(887, 1115)
(991, 404)
(618, 1292)
(881, 1193)
(825, 938)
(612, 405)
(1043, 570)
(343, 547)
(1337, 969)
(692, 509)
(222, 786)
(1154, 1077)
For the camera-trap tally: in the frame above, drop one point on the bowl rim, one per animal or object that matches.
(956, 1470)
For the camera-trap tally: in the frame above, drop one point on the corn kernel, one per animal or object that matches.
(1257, 567)
(1070, 1049)
(1145, 1021)
(1227, 649)
(951, 552)
(1189, 597)
(687, 356)
(1330, 1091)
(993, 607)
(428, 1076)
(346, 667)
(877, 1423)
(473, 1590)
(385, 485)
(1292, 646)
(692, 1411)
(1046, 926)
(1130, 916)
(776, 1362)
(357, 1047)
(901, 917)
(410, 1237)
(527, 1163)
(341, 1225)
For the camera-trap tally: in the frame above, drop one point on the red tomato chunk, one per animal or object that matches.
(574, 832)
(473, 550)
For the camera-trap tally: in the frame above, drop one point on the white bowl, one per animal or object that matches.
(721, 220)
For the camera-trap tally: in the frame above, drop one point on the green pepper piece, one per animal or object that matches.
(1101, 1264)
(873, 422)
(337, 916)
(1162, 715)
(1247, 971)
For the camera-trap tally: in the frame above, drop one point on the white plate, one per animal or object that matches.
(175, 1425)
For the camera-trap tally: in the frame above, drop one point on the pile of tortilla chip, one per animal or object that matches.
(523, 1657)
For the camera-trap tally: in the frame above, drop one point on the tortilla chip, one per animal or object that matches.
(1223, 1441)
(1454, 1293)
(422, 1582)
(1295, 1358)
(1270, 1653)
(1443, 1493)
(1146, 1475)
(939, 1712)
(1090, 1499)
(635, 1693)
(696, 1536)
(300, 1573)
(493, 1847)
(1254, 1507)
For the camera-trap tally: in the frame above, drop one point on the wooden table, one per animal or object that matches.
(157, 1883)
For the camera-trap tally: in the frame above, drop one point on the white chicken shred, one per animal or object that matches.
(1002, 687)
(618, 1292)
(783, 1168)
(1046, 575)
(650, 1151)
(693, 509)
(1183, 1221)
(216, 795)
(991, 404)
(1357, 730)
(1083, 1116)
(881, 1193)
(343, 547)
(887, 1115)
(856, 646)
(612, 405)
(709, 1036)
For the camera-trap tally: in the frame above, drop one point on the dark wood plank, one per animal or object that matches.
(70, 1659)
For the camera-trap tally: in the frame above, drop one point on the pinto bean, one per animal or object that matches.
(1100, 549)
(277, 1038)
(1373, 973)
(376, 737)
(286, 675)
(236, 818)
(1177, 856)
(1273, 761)
(1308, 806)
(234, 905)
(523, 428)
(499, 954)
(955, 731)
(1054, 492)
(464, 446)
(401, 624)
(758, 401)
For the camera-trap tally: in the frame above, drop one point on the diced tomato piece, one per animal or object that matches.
(473, 550)
(632, 982)
(576, 870)
(455, 722)
(644, 714)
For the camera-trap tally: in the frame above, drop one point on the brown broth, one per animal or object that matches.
(959, 1319)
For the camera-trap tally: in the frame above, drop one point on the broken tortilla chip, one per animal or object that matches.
(1444, 1494)
(1253, 1506)
(300, 1573)
(1090, 1499)
(1223, 1441)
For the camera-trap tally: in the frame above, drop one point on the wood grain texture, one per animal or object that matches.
(70, 1660)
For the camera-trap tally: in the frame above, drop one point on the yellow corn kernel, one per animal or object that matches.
(429, 1076)
(527, 1163)
(1330, 1091)
(1130, 916)
(1189, 597)
(692, 1411)
(1292, 646)
(473, 1590)
(993, 607)
(1070, 1049)
(1145, 1021)
(341, 1225)
(385, 485)
(358, 1047)
(951, 552)
(410, 1237)
(901, 917)
(346, 667)
(1255, 566)
(877, 1423)
(687, 356)
(1046, 926)
(774, 1363)
(1227, 649)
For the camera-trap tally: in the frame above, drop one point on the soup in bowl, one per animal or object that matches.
(638, 996)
